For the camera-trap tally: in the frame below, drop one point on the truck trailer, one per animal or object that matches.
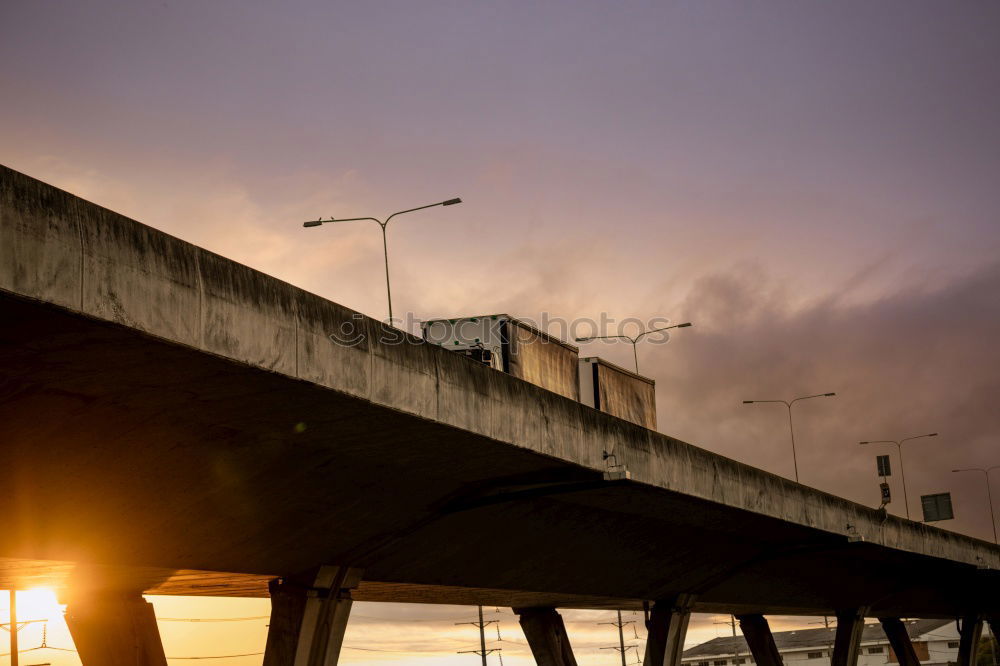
(512, 346)
(617, 391)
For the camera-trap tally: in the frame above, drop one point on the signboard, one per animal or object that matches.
(882, 462)
(937, 507)
(886, 494)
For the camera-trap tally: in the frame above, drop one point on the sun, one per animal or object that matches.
(36, 604)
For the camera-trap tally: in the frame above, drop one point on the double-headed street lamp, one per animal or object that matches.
(902, 471)
(634, 340)
(791, 428)
(385, 247)
(989, 495)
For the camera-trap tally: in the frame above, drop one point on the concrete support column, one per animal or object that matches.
(970, 631)
(546, 634)
(666, 629)
(847, 644)
(899, 639)
(309, 616)
(994, 622)
(758, 634)
(114, 629)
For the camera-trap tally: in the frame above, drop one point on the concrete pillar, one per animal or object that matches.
(758, 634)
(114, 629)
(309, 616)
(899, 639)
(847, 644)
(666, 629)
(546, 634)
(970, 631)
(994, 622)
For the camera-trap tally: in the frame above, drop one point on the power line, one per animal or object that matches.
(736, 644)
(621, 647)
(481, 624)
(455, 620)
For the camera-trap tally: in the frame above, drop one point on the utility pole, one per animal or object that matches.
(13, 627)
(731, 622)
(482, 636)
(736, 644)
(482, 651)
(621, 637)
(829, 641)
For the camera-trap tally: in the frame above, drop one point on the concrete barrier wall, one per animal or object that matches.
(57, 248)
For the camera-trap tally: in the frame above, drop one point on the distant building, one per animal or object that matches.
(934, 641)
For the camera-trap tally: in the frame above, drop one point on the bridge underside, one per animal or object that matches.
(154, 464)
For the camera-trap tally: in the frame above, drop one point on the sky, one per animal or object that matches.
(813, 185)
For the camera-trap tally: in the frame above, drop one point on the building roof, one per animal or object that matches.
(801, 639)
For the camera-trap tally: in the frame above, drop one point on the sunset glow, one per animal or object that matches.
(812, 185)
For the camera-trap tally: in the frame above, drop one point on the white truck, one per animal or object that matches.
(617, 391)
(512, 346)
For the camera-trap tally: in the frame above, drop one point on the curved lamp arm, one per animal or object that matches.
(657, 330)
(606, 337)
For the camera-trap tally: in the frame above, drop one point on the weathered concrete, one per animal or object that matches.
(666, 630)
(546, 634)
(115, 629)
(163, 408)
(760, 640)
(970, 631)
(309, 616)
(847, 642)
(900, 641)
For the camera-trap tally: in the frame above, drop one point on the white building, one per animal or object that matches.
(934, 641)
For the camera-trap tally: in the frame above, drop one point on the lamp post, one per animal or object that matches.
(634, 340)
(989, 495)
(791, 428)
(385, 246)
(902, 470)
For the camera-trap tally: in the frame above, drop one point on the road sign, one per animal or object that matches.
(937, 507)
(882, 462)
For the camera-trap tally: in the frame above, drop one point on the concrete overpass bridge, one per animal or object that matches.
(174, 422)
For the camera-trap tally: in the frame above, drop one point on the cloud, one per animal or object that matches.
(922, 359)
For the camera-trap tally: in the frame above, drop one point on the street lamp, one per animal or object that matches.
(385, 248)
(902, 471)
(791, 428)
(989, 495)
(634, 340)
